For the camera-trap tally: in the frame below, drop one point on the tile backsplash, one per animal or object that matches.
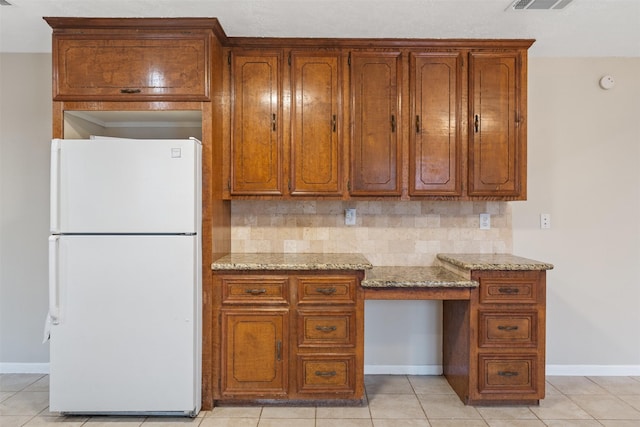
(387, 232)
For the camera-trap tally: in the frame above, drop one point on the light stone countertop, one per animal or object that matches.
(415, 277)
(290, 261)
(488, 262)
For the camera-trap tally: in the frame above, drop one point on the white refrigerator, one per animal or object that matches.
(125, 276)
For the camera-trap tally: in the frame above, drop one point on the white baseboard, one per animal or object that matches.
(24, 368)
(403, 369)
(593, 370)
(559, 370)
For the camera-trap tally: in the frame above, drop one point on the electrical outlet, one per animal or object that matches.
(485, 221)
(350, 217)
(545, 220)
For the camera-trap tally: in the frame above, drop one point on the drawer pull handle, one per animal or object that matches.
(508, 373)
(279, 351)
(509, 291)
(508, 328)
(130, 90)
(326, 328)
(256, 291)
(326, 373)
(326, 291)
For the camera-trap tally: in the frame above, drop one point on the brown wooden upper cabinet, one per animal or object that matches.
(436, 113)
(256, 130)
(316, 123)
(351, 118)
(376, 150)
(147, 60)
(497, 148)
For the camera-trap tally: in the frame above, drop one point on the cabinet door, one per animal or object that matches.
(375, 147)
(144, 67)
(256, 141)
(254, 352)
(316, 150)
(434, 168)
(496, 146)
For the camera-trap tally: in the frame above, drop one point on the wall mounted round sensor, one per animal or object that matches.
(606, 82)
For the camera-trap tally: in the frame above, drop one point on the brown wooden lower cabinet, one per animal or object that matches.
(254, 352)
(494, 344)
(289, 335)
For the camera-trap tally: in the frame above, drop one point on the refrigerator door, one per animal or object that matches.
(126, 336)
(125, 186)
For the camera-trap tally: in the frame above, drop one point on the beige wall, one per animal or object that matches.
(584, 169)
(25, 132)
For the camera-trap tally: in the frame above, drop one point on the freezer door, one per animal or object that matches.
(125, 186)
(127, 332)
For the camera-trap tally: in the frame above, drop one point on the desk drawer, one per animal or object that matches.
(503, 290)
(498, 373)
(508, 329)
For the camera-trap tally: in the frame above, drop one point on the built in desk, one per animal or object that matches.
(493, 312)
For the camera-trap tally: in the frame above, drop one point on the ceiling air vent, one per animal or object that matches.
(540, 4)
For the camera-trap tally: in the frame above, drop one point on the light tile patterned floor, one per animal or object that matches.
(393, 401)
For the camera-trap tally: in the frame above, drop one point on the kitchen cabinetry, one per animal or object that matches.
(124, 61)
(497, 153)
(500, 357)
(254, 324)
(290, 335)
(376, 150)
(408, 119)
(316, 123)
(435, 141)
(262, 139)
(256, 147)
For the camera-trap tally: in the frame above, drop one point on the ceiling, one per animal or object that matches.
(584, 28)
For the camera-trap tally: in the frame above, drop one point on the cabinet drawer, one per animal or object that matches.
(507, 373)
(326, 374)
(500, 329)
(132, 67)
(509, 290)
(254, 290)
(335, 329)
(327, 290)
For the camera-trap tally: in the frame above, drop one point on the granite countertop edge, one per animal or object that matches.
(415, 277)
(275, 262)
(493, 262)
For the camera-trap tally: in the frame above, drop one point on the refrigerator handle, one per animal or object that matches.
(54, 309)
(55, 177)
